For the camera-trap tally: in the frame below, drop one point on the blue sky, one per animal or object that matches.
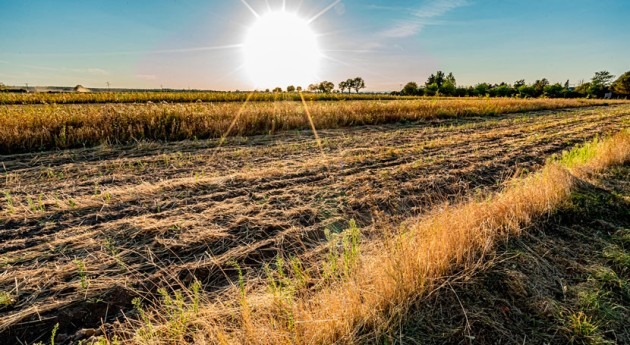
(194, 43)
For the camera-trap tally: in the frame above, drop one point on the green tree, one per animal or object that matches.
(358, 83)
(313, 87)
(600, 84)
(326, 87)
(583, 89)
(299, 89)
(431, 89)
(621, 86)
(519, 83)
(437, 78)
(553, 91)
(448, 88)
(503, 90)
(410, 89)
(539, 86)
(526, 91)
(277, 89)
(290, 88)
(450, 78)
(482, 89)
(343, 85)
(603, 78)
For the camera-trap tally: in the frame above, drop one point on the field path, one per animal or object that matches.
(84, 231)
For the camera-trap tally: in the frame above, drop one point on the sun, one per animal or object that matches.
(280, 50)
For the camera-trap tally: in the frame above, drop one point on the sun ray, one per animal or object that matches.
(234, 121)
(250, 8)
(322, 12)
(310, 120)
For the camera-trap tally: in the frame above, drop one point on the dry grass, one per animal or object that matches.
(380, 280)
(89, 229)
(179, 97)
(26, 128)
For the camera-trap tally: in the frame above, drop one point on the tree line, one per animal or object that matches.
(352, 84)
(601, 84)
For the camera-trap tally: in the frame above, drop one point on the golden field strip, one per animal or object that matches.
(87, 230)
(181, 97)
(25, 128)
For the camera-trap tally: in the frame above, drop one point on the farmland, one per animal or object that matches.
(25, 128)
(134, 207)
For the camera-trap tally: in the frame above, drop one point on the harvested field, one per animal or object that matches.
(27, 128)
(85, 231)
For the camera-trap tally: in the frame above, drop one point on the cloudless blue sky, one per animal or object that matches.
(189, 43)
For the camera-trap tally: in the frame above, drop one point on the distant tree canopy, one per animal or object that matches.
(355, 84)
(442, 84)
(326, 87)
(343, 85)
(411, 89)
(290, 88)
(621, 86)
(600, 84)
(277, 89)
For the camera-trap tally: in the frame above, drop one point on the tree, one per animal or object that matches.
(437, 78)
(526, 91)
(326, 87)
(583, 89)
(344, 85)
(621, 86)
(519, 83)
(603, 78)
(503, 90)
(299, 89)
(482, 89)
(448, 88)
(431, 89)
(410, 89)
(277, 89)
(313, 88)
(600, 84)
(553, 91)
(539, 86)
(290, 88)
(450, 78)
(358, 83)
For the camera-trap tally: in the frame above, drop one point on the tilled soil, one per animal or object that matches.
(83, 232)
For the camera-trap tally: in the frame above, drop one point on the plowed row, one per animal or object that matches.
(82, 232)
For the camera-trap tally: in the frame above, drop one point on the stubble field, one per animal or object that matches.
(85, 231)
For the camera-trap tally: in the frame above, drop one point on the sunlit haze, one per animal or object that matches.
(281, 49)
(230, 45)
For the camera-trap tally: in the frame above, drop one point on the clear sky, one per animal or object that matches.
(198, 43)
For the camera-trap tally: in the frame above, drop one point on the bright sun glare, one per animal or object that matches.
(281, 50)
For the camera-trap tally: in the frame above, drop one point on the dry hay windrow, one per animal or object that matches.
(84, 231)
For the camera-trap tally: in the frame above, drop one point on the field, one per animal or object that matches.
(25, 128)
(129, 209)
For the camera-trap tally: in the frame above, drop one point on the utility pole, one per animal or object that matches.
(107, 86)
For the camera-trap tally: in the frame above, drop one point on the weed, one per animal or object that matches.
(5, 299)
(82, 274)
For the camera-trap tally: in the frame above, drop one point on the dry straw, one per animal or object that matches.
(381, 279)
